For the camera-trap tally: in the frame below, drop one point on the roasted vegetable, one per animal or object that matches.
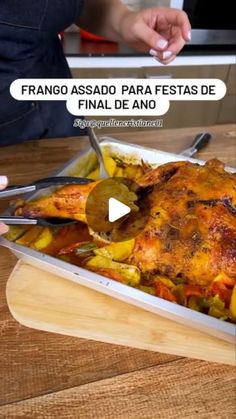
(94, 174)
(130, 274)
(166, 281)
(232, 306)
(149, 290)
(37, 238)
(30, 236)
(163, 291)
(225, 279)
(190, 290)
(207, 302)
(220, 289)
(216, 312)
(43, 240)
(189, 237)
(85, 248)
(110, 165)
(193, 303)
(80, 248)
(15, 232)
(178, 292)
(119, 172)
(119, 251)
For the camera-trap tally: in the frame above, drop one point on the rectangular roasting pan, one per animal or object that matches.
(82, 164)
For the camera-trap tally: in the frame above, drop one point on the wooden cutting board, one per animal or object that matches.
(47, 302)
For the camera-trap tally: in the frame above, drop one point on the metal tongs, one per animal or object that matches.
(200, 141)
(36, 186)
(49, 182)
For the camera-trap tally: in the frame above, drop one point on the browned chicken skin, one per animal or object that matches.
(191, 231)
(66, 202)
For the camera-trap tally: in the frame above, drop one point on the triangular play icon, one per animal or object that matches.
(116, 210)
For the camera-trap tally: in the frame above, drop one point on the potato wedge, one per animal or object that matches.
(15, 232)
(43, 240)
(118, 251)
(30, 236)
(94, 174)
(36, 238)
(110, 164)
(119, 172)
(232, 306)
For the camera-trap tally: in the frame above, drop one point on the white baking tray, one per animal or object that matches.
(83, 164)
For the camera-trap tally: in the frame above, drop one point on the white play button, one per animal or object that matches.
(116, 210)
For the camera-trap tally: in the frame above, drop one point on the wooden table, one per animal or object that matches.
(44, 375)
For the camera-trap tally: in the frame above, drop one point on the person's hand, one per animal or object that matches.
(161, 31)
(3, 184)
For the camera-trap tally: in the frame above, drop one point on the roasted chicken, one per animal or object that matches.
(191, 230)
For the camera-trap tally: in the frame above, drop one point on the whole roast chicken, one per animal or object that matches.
(191, 229)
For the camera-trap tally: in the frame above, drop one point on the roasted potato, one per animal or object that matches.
(119, 251)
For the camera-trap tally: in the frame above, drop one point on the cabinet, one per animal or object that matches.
(187, 113)
(227, 111)
(194, 113)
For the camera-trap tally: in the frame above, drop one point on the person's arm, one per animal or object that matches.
(3, 184)
(103, 17)
(160, 30)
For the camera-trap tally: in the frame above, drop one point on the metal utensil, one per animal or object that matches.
(199, 142)
(43, 184)
(103, 174)
(40, 184)
(51, 222)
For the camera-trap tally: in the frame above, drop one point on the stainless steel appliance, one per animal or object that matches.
(213, 22)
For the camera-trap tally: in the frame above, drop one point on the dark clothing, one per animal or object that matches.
(30, 48)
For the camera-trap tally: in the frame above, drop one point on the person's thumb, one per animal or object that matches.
(3, 182)
(3, 228)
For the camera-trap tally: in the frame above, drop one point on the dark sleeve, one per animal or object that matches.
(60, 14)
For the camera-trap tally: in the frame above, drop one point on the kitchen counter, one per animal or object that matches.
(82, 54)
(49, 375)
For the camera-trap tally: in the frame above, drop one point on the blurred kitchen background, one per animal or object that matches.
(210, 54)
